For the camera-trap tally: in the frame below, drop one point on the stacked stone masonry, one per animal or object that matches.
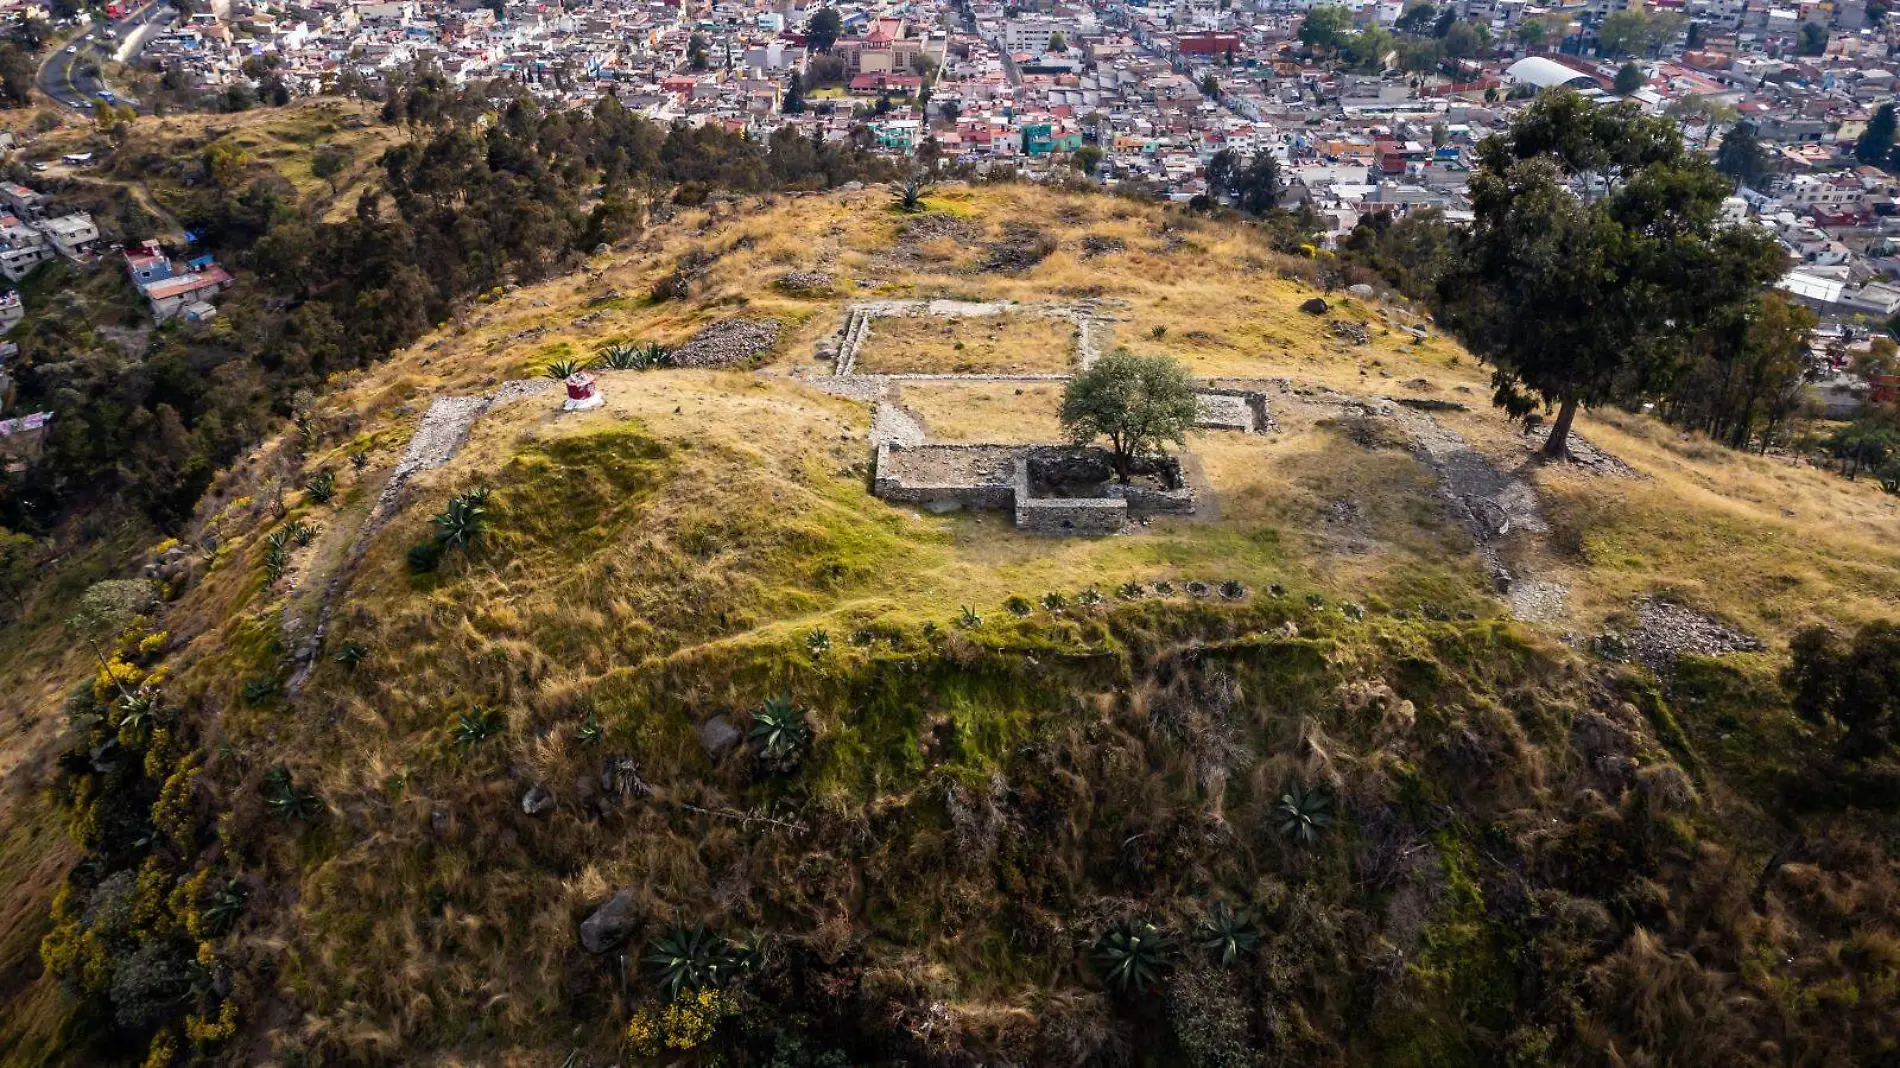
(1007, 477)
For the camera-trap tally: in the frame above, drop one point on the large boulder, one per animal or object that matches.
(1315, 306)
(718, 735)
(611, 923)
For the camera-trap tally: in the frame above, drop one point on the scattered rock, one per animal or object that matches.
(1349, 331)
(1664, 631)
(729, 342)
(1315, 306)
(1022, 247)
(537, 800)
(1361, 290)
(806, 283)
(611, 923)
(717, 735)
(1095, 245)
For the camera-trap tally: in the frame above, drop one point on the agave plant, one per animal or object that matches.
(908, 195)
(300, 532)
(322, 486)
(968, 619)
(1089, 598)
(1352, 611)
(1233, 590)
(1276, 590)
(1054, 602)
(691, 958)
(1133, 956)
(476, 725)
(1228, 934)
(1302, 814)
(559, 369)
(818, 641)
(1130, 591)
(1198, 588)
(256, 691)
(139, 712)
(464, 520)
(780, 728)
(352, 654)
(655, 355)
(621, 356)
(1018, 606)
(224, 908)
(276, 556)
(589, 732)
(1314, 600)
(863, 636)
(1164, 588)
(285, 799)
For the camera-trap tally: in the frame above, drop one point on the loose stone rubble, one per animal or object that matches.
(726, 343)
(1665, 630)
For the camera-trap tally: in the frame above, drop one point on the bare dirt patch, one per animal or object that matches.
(998, 344)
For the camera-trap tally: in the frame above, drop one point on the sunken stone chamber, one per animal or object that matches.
(1049, 489)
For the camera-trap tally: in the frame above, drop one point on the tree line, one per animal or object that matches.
(1598, 269)
(463, 206)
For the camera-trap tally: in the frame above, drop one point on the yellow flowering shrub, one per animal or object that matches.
(162, 1051)
(204, 1030)
(184, 902)
(151, 918)
(171, 813)
(686, 1023)
(153, 644)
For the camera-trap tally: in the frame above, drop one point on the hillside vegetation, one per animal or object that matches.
(1372, 817)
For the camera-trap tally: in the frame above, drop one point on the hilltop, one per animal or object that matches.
(1528, 712)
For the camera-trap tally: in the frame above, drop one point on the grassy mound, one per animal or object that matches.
(923, 778)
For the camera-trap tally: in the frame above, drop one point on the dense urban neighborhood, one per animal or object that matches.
(1362, 111)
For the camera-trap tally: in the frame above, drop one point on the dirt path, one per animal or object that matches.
(441, 434)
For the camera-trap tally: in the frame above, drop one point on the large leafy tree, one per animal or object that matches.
(1596, 253)
(1622, 32)
(1139, 403)
(823, 29)
(1748, 379)
(1813, 39)
(1742, 156)
(1326, 26)
(1851, 687)
(1252, 184)
(1876, 141)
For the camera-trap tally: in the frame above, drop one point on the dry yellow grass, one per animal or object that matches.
(1002, 344)
(1222, 303)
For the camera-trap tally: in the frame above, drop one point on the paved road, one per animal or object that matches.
(60, 76)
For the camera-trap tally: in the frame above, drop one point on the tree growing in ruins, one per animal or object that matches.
(1597, 254)
(1139, 403)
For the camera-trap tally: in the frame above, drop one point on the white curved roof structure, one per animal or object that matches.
(1548, 74)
